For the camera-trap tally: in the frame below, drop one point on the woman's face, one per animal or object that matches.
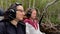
(33, 15)
(20, 12)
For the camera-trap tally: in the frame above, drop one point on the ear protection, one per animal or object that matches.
(29, 12)
(11, 13)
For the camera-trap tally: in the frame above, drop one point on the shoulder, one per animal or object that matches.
(2, 26)
(26, 20)
(1, 23)
(21, 23)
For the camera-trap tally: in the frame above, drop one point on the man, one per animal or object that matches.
(13, 20)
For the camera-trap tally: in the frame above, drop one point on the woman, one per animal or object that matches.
(32, 26)
(13, 20)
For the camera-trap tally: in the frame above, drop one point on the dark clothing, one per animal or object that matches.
(1, 12)
(7, 28)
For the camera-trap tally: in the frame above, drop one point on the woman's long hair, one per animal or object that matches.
(29, 12)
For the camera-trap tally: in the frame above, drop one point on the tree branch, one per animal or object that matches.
(51, 3)
(45, 9)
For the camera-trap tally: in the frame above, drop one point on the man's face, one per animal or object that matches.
(20, 12)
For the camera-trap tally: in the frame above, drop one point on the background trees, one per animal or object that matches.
(53, 12)
(51, 20)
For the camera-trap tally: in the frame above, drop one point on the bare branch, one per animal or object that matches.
(45, 9)
(51, 3)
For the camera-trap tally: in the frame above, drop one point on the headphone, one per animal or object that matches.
(28, 13)
(11, 12)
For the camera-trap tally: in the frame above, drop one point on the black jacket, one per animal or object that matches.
(7, 28)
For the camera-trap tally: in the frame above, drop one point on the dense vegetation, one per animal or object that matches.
(53, 12)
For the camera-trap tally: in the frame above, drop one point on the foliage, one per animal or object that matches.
(52, 11)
